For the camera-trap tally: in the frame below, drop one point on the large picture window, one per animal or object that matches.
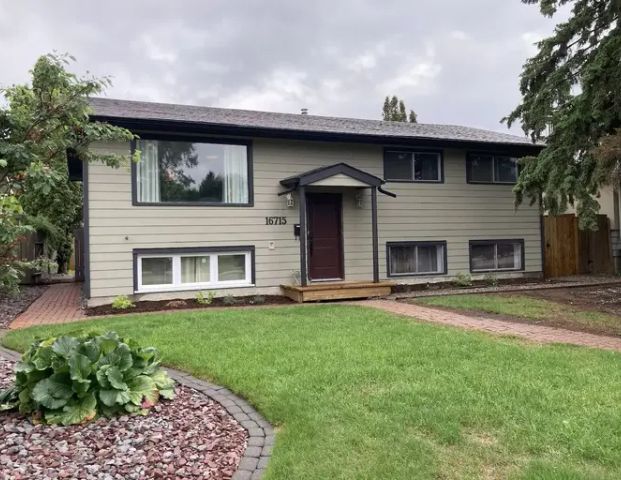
(187, 269)
(489, 168)
(416, 258)
(412, 166)
(188, 172)
(496, 255)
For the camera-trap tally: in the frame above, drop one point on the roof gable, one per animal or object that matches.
(318, 174)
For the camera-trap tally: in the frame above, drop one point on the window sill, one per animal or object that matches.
(424, 274)
(413, 181)
(191, 204)
(192, 288)
(499, 270)
(472, 182)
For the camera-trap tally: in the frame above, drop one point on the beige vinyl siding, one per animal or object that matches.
(453, 211)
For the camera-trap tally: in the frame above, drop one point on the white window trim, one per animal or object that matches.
(413, 153)
(517, 257)
(441, 263)
(213, 282)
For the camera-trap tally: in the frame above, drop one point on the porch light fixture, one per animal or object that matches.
(359, 199)
(290, 202)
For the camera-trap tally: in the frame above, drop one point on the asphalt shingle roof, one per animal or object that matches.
(289, 122)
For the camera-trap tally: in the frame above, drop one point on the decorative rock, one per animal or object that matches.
(189, 437)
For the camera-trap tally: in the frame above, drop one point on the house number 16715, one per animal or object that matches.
(275, 220)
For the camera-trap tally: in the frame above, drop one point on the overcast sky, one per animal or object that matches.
(452, 61)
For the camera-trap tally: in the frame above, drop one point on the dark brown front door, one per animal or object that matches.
(325, 241)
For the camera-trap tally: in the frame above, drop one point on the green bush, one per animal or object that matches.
(229, 300)
(203, 299)
(463, 280)
(122, 302)
(491, 280)
(73, 379)
(258, 300)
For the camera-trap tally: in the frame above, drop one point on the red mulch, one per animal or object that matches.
(189, 437)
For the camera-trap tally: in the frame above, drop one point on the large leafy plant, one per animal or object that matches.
(73, 379)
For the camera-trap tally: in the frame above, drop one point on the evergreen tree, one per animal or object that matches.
(571, 100)
(394, 111)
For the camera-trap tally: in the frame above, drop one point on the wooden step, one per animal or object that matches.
(336, 291)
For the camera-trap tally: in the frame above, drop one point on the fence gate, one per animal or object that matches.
(571, 251)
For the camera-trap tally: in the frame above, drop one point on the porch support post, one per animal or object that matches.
(303, 234)
(374, 235)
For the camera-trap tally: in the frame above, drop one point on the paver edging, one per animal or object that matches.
(261, 434)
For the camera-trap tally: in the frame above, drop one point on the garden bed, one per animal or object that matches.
(162, 305)
(601, 298)
(189, 437)
(12, 305)
(561, 308)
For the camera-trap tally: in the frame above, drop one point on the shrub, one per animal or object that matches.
(463, 280)
(491, 280)
(258, 300)
(229, 300)
(122, 302)
(203, 299)
(70, 380)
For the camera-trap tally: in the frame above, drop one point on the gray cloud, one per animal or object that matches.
(452, 61)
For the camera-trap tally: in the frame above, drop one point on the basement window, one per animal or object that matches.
(177, 269)
(496, 255)
(416, 258)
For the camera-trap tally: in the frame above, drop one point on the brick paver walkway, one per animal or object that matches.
(536, 333)
(60, 303)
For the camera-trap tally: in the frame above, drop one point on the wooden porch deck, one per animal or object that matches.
(336, 291)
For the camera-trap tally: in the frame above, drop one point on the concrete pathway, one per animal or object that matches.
(536, 333)
(60, 303)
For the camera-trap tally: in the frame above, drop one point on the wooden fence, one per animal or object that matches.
(571, 251)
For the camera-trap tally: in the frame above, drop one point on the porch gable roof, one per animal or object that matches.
(322, 173)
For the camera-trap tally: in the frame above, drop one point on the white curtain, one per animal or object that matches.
(148, 172)
(235, 174)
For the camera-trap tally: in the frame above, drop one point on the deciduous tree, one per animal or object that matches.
(39, 122)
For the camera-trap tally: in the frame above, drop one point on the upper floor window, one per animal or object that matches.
(490, 168)
(412, 166)
(188, 172)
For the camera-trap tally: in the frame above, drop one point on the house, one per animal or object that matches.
(243, 202)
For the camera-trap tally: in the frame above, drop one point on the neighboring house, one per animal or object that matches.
(242, 202)
(610, 205)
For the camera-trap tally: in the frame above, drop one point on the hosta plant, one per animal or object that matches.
(73, 379)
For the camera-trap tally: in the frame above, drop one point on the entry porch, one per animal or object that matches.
(322, 274)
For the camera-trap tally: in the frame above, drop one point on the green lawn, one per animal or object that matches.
(359, 394)
(531, 309)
